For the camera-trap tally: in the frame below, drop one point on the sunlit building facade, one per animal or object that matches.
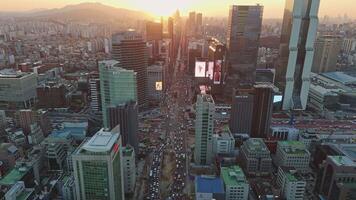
(299, 28)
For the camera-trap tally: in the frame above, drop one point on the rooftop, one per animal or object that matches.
(233, 175)
(206, 184)
(341, 77)
(343, 161)
(127, 151)
(14, 176)
(256, 144)
(293, 147)
(11, 73)
(102, 141)
(25, 194)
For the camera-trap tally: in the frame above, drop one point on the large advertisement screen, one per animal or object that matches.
(210, 70)
(217, 72)
(158, 85)
(200, 68)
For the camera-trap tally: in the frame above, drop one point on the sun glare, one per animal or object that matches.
(159, 8)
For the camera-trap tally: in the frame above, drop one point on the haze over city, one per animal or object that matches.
(273, 8)
(177, 100)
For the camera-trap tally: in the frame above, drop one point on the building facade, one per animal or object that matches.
(299, 30)
(292, 154)
(129, 169)
(130, 50)
(155, 82)
(117, 86)
(241, 114)
(291, 183)
(235, 183)
(204, 128)
(255, 157)
(327, 49)
(125, 115)
(98, 169)
(18, 89)
(243, 36)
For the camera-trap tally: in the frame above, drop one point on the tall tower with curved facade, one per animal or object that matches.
(299, 28)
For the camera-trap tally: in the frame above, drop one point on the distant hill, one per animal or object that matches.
(90, 12)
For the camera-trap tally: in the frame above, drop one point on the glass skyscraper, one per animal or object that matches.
(117, 86)
(300, 23)
(243, 36)
(129, 48)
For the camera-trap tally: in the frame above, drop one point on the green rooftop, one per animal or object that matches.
(24, 195)
(290, 177)
(14, 175)
(293, 147)
(233, 175)
(256, 144)
(127, 151)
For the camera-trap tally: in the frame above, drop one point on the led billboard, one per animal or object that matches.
(217, 72)
(210, 70)
(200, 68)
(159, 85)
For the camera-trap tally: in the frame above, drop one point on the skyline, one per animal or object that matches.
(272, 9)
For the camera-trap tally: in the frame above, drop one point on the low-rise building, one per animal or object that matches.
(291, 183)
(255, 157)
(208, 188)
(235, 183)
(292, 154)
(284, 133)
(223, 143)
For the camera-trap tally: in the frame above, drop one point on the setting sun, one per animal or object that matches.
(161, 7)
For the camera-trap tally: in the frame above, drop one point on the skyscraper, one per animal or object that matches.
(98, 169)
(129, 49)
(262, 110)
(241, 114)
(117, 86)
(327, 48)
(125, 115)
(299, 29)
(204, 128)
(94, 89)
(243, 36)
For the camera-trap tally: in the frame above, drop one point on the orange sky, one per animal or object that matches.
(273, 8)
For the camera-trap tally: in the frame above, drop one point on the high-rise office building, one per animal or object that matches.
(192, 17)
(98, 169)
(117, 86)
(129, 169)
(327, 49)
(129, 49)
(18, 88)
(241, 114)
(204, 128)
(262, 110)
(26, 119)
(300, 23)
(125, 115)
(153, 31)
(94, 89)
(199, 19)
(243, 36)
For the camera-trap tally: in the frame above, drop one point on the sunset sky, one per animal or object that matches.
(273, 8)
